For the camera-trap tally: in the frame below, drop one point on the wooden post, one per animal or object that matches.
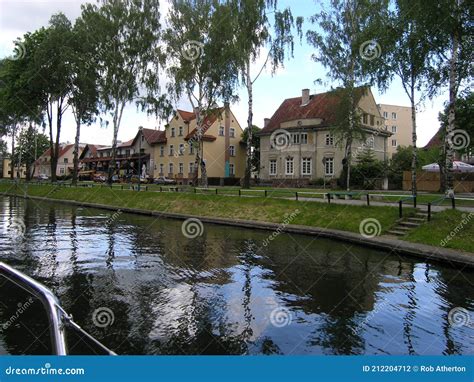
(329, 198)
(414, 202)
(296, 195)
(429, 211)
(368, 199)
(265, 193)
(453, 202)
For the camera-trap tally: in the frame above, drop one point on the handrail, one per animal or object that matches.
(56, 314)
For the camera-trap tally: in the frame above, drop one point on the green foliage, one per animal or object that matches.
(368, 170)
(30, 145)
(255, 142)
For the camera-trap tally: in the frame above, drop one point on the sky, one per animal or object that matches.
(20, 16)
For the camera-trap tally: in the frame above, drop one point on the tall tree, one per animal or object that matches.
(450, 25)
(84, 98)
(408, 53)
(201, 52)
(31, 144)
(254, 34)
(126, 35)
(338, 41)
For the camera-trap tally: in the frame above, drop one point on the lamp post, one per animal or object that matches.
(140, 129)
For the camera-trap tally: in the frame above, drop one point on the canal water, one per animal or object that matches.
(141, 286)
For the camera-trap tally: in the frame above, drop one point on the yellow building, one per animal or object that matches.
(398, 122)
(222, 148)
(17, 173)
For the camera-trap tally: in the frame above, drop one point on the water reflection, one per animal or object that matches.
(218, 293)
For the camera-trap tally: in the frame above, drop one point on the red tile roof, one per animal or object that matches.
(323, 105)
(154, 136)
(206, 124)
(435, 141)
(187, 115)
(62, 150)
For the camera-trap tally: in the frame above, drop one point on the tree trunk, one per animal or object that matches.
(414, 160)
(248, 166)
(76, 151)
(12, 162)
(448, 140)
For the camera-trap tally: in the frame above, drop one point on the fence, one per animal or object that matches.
(430, 181)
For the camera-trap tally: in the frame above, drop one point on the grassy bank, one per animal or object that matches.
(335, 216)
(342, 217)
(450, 228)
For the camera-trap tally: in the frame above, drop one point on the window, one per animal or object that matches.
(171, 168)
(329, 140)
(142, 138)
(295, 138)
(162, 168)
(231, 169)
(394, 129)
(364, 118)
(289, 168)
(329, 166)
(171, 149)
(372, 120)
(232, 151)
(181, 168)
(127, 153)
(191, 148)
(221, 131)
(181, 149)
(306, 166)
(394, 115)
(273, 167)
(191, 167)
(65, 160)
(180, 131)
(173, 132)
(385, 114)
(232, 132)
(162, 151)
(61, 170)
(394, 143)
(304, 138)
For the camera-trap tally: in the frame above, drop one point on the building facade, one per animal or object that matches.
(222, 149)
(297, 145)
(65, 160)
(397, 120)
(18, 172)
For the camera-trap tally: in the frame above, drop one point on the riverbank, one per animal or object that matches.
(332, 221)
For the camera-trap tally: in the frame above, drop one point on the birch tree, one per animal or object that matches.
(201, 64)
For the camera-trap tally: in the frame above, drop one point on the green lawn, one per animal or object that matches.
(342, 217)
(450, 228)
(347, 218)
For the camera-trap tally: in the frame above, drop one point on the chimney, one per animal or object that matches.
(266, 121)
(304, 97)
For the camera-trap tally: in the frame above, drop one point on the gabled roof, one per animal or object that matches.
(63, 149)
(154, 136)
(323, 106)
(92, 148)
(207, 123)
(186, 115)
(435, 141)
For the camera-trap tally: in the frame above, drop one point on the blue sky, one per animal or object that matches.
(19, 16)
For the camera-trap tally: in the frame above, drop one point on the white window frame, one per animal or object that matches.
(162, 150)
(181, 168)
(232, 132)
(306, 166)
(173, 132)
(191, 149)
(162, 168)
(394, 143)
(289, 165)
(304, 138)
(231, 169)
(272, 167)
(171, 151)
(385, 114)
(191, 167)
(394, 129)
(171, 168)
(232, 150)
(221, 131)
(329, 165)
(295, 138)
(394, 115)
(329, 139)
(180, 131)
(181, 148)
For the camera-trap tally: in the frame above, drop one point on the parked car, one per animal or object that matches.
(43, 177)
(164, 180)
